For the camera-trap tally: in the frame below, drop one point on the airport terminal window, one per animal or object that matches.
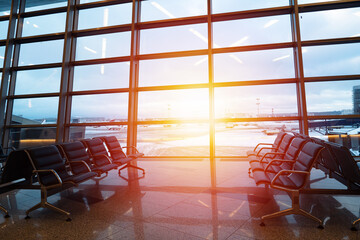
(333, 98)
(3, 29)
(101, 76)
(342, 131)
(253, 31)
(21, 138)
(100, 108)
(51, 23)
(174, 139)
(173, 71)
(103, 46)
(169, 39)
(221, 6)
(38, 81)
(32, 111)
(41, 52)
(275, 100)
(342, 59)
(339, 23)
(172, 91)
(2, 55)
(246, 135)
(174, 104)
(254, 65)
(167, 9)
(82, 132)
(105, 16)
(34, 5)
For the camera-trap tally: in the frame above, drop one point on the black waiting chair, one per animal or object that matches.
(75, 152)
(119, 156)
(50, 169)
(282, 160)
(260, 148)
(292, 181)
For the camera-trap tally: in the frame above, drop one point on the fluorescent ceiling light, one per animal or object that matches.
(236, 58)
(163, 10)
(90, 50)
(200, 61)
(270, 23)
(280, 58)
(35, 26)
(239, 42)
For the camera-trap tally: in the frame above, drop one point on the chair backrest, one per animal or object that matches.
(47, 157)
(112, 144)
(327, 158)
(285, 143)
(75, 151)
(95, 146)
(17, 166)
(294, 148)
(304, 162)
(278, 139)
(350, 169)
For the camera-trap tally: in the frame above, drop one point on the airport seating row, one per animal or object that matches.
(334, 160)
(62, 166)
(286, 168)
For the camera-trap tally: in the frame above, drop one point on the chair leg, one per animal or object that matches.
(132, 166)
(353, 228)
(295, 209)
(45, 204)
(5, 211)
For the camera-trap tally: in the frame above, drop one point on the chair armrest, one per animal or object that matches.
(82, 163)
(133, 147)
(101, 156)
(283, 172)
(271, 153)
(259, 144)
(265, 148)
(51, 171)
(277, 161)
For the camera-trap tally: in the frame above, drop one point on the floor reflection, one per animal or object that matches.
(175, 201)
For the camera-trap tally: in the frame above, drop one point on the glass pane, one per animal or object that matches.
(179, 38)
(220, 6)
(104, 76)
(35, 111)
(174, 71)
(341, 131)
(5, 7)
(2, 56)
(254, 65)
(52, 23)
(41, 52)
(333, 98)
(103, 46)
(105, 16)
(236, 138)
(274, 29)
(174, 104)
(174, 140)
(166, 9)
(4, 25)
(342, 59)
(21, 138)
(99, 108)
(314, 1)
(38, 81)
(330, 24)
(276, 100)
(35, 5)
(82, 132)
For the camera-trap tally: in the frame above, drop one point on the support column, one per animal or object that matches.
(299, 68)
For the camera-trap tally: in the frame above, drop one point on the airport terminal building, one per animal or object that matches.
(192, 84)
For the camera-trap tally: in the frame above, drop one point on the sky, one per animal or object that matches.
(255, 65)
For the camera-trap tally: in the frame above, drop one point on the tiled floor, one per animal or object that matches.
(175, 201)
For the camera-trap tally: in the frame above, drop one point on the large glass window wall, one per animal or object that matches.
(177, 82)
